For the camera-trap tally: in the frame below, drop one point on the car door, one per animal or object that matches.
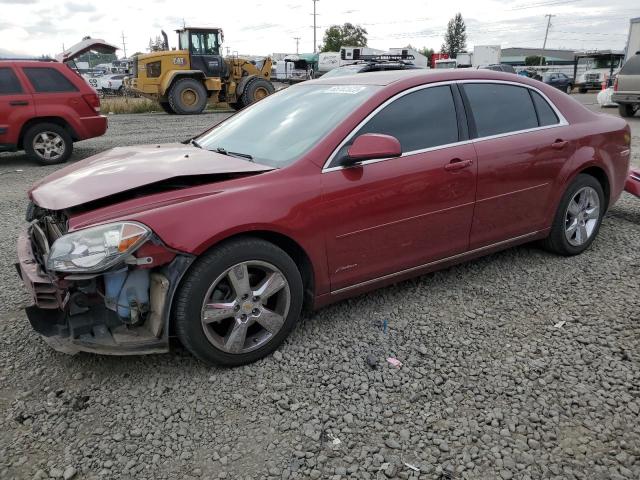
(16, 106)
(522, 143)
(386, 216)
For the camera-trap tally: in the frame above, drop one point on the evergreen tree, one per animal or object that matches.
(455, 40)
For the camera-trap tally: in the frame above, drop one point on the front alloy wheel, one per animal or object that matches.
(238, 302)
(245, 307)
(582, 216)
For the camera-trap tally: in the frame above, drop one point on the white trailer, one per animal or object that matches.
(349, 55)
(464, 59)
(328, 61)
(486, 55)
(419, 60)
(633, 40)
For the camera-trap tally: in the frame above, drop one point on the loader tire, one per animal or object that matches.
(187, 96)
(167, 108)
(257, 89)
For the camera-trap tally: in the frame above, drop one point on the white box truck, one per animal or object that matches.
(633, 40)
(486, 55)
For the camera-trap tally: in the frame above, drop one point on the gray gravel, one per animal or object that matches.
(489, 387)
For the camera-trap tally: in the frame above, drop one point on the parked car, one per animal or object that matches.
(322, 191)
(558, 80)
(364, 67)
(499, 67)
(111, 83)
(45, 107)
(626, 89)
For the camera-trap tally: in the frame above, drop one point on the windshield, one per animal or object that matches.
(342, 71)
(277, 130)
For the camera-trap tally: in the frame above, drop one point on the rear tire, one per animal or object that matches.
(626, 109)
(564, 241)
(167, 108)
(207, 333)
(48, 143)
(257, 89)
(187, 96)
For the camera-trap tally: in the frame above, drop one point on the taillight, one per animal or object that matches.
(93, 101)
(615, 85)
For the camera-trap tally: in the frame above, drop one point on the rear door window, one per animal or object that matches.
(422, 119)
(546, 115)
(499, 108)
(632, 67)
(9, 83)
(48, 80)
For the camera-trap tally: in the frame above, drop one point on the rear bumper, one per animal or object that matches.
(589, 85)
(90, 127)
(72, 326)
(626, 97)
(632, 185)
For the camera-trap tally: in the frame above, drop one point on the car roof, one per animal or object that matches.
(388, 77)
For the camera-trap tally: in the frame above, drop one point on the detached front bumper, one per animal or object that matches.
(632, 184)
(70, 322)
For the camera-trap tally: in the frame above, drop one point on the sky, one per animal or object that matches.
(260, 27)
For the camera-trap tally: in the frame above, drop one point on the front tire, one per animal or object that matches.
(238, 302)
(257, 89)
(578, 218)
(48, 143)
(187, 96)
(627, 109)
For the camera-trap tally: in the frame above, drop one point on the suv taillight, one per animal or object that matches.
(93, 101)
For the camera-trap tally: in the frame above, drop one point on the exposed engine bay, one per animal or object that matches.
(120, 309)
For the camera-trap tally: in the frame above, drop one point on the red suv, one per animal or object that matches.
(45, 107)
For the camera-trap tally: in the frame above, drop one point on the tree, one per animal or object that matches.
(347, 35)
(157, 44)
(534, 60)
(455, 40)
(427, 52)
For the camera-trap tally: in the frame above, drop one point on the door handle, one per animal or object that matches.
(559, 144)
(458, 164)
(18, 103)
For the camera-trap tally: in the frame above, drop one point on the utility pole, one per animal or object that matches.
(124, 45)
(297, 39)
(548, 15)
(315, 15)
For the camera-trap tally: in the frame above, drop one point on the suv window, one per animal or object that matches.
(48, 80)
(499, 108)
(421, 119)
(632, 67)
(546, 115)
(9, 82)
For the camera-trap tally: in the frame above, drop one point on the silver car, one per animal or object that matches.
(627, 87)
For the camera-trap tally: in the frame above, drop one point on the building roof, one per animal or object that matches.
(549, 54)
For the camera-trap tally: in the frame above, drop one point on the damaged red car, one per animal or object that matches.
(322, 191)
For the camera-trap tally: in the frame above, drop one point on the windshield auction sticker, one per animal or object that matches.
(347, 89)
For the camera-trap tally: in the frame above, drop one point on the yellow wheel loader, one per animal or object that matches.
(183, 81)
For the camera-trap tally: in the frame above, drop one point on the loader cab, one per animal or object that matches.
(204, 46)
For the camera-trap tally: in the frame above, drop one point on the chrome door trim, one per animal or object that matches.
(562, 121)
(434, 263)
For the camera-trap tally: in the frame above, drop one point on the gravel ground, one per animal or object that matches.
(491, 386)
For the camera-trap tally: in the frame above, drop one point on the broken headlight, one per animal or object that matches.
(96, 249)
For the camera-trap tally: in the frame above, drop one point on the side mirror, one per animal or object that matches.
(371, 146)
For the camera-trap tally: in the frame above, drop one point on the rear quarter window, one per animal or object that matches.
(632, 67)
(48, 80)
(546, 115)
(9, 83)
(499, 108)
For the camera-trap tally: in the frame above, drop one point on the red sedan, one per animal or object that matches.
(322, 191)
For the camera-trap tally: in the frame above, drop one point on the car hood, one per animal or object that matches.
(127, 168)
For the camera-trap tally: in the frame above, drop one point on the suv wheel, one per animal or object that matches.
(48, 143)
(627, 109)
(187, 96)
(578, 218)
(238, 302)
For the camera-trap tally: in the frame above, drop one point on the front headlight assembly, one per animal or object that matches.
(96, 249)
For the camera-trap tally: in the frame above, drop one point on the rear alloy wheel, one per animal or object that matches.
(48, 143)
(187, 96)
(238, 302)
(257, 89)
(627, 109)
(578, 218)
